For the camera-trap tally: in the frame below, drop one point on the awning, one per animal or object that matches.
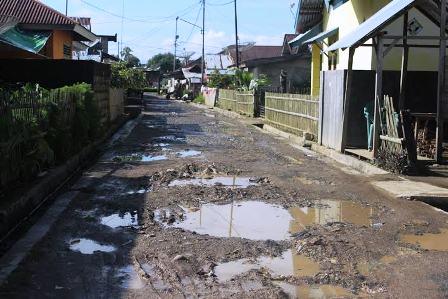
(378, 21)
(31, 41)
(320, 37)
(299, 41)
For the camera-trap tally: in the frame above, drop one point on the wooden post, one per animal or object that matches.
(378, 95)
(404, 64)
(347, 98)
(441, 84)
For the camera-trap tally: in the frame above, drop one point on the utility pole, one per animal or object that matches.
(122, 29)
(203, 43)
(66, 7)
(175, 46)
(236, 38)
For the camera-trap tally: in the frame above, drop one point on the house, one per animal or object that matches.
(271, 60)
(32, 29)
(365, 49)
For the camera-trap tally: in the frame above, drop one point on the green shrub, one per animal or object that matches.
(199, 99)
(126, 77)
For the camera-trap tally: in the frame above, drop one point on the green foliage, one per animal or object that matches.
(243, 79)
(130, 59)
(61, 123)
(125, 77)
(218, 80)
(199, 99)
(163, 61)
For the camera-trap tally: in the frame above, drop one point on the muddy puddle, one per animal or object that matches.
(121, 220)
(289, 264)
(129, 278)
(262, 221)
(138, 191)
(86, 246)
(226, 181)
(437, 242)
(188, 153)
(314, 291)
(140, 158)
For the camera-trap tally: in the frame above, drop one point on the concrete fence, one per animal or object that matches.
(293, 113)
(116, 103)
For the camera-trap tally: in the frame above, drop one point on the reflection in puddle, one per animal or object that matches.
(170, 138)
(188, 153)
(86, 246)
(238, 182)
(150, 158)
(117, 220)
(261, 221)
(314, 291)
(140, 191)
(130, 278)
(330, 211)
(437, 242)
(289, 264)
(156, 282)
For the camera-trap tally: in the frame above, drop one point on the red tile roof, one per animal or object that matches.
(33, 12)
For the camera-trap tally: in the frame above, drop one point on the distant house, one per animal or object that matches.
(271, 60)
(31, 29)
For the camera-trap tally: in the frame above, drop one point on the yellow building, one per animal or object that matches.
(339, 18)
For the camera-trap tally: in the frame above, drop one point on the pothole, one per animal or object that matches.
(118, 220)
(437, 242)
(258, 220)
(227, 181)
(313, 291)
(289, 264)
(87, 246)
(129, 278)
(188, 153)
(139, 158)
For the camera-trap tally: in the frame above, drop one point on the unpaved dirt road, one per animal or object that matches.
(195, 204)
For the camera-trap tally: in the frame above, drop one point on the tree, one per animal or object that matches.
(164, 62)
(129, 58)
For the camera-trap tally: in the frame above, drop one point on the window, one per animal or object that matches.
(67, 51)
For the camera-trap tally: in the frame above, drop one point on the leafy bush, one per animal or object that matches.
(127, 77)
(61, 122)
(199, 99)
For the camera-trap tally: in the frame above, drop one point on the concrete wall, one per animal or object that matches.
(116, 103)
(299, 72)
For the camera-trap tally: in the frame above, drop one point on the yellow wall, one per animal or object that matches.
(316, 63)
(354, 12)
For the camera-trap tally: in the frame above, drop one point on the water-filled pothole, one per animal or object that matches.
(257, 220)
(188, 153)
(289, 264)
(227, 181)
(438, 242)
(313, 291)
(121, 220)
(139, 158)
(86, 246)
(129, 278)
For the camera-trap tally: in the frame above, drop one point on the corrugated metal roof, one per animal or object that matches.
(310, 14)
(299, 40)
(33, 12)
(378, 21)
(320, 37)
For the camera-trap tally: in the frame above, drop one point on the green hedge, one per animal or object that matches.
(41, 128)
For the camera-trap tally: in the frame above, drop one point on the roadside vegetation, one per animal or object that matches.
(41, 128)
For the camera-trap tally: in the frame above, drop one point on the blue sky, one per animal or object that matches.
(149, 25)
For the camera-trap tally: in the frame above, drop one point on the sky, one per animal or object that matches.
(149, 25)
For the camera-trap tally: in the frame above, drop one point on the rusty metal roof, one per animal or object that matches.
(33, 12)
(310, 13)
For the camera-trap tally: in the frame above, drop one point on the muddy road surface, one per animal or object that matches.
(188, 203)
